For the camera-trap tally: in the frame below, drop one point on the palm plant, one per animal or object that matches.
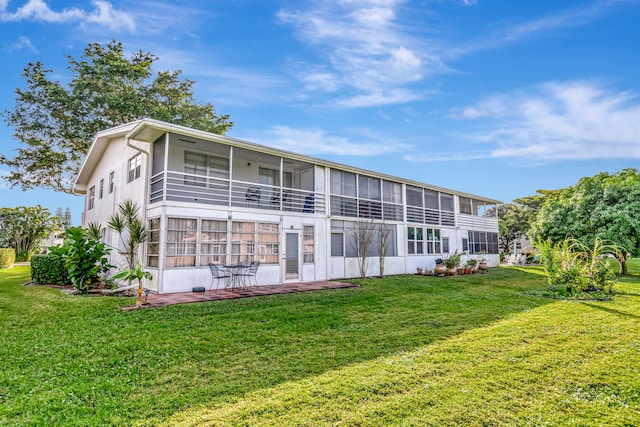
(135, 274)
(130, 226)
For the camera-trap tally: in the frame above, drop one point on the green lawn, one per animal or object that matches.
(406, 350)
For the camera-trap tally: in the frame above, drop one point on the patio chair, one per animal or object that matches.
(250, 272)
(218, 274)
(252, 197)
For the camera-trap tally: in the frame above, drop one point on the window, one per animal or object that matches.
(414, 196)
(392, 192)
(308, 244)
(447, 217)
(433, 241)
(181, 242)
(195, 164)
(368, 188)
(431, 200)
(445, 245)
(242, 242)
(391, 246)
(415, 241)
(133, 168)
(213, 242)
(101, 189)
(337, 244)
(344, 236)
(192, 242)
(343, 183)
(268, 243)
(482, 242)
(153, 243)
(111, 182)
(465, 245)
(92, 197)
(492, 243)
(423, 241)
(269, 177)
(204, 170)
(465, 205)
(446, 202)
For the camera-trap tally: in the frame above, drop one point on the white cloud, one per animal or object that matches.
(315, 141)
(23, 43)
(491, 107)
(567, 18)
(398, 96)
(556, 121)
(38, 10)
(107, 16)
(365, 50)
(324, 81)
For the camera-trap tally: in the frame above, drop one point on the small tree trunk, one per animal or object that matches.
(622, 259)
(139, 300)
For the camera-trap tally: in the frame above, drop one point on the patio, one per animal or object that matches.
(162, 300)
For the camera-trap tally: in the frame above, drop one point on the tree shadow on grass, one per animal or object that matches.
(242, 346)
(611, 310)
(146, 365)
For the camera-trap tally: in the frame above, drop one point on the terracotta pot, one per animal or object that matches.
(451, 272)
(440, 269)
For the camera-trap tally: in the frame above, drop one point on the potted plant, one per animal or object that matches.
(482, 264)
(427, 272)
(471, 265)
(419, 271)
(440, 268)
(452, 262)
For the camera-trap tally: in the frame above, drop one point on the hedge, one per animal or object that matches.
(7, 257)
(49, 269)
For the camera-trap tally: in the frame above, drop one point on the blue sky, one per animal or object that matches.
(496, 98)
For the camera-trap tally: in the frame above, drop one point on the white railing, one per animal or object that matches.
(189, 188)
(479, 223)
(430, 216)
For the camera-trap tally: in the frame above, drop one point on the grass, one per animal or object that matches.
(405, 350)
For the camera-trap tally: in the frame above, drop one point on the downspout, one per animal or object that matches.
(145, 193)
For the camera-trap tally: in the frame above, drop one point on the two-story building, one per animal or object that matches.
(209, 198)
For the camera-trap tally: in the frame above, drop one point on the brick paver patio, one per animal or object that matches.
(228, 293)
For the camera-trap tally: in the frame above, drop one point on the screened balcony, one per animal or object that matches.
(194, 171)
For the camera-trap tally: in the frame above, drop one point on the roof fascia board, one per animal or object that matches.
(96, 149)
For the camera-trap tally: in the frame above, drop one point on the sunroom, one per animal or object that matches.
(187, 169)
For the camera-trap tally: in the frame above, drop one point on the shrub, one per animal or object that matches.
(84, 257)
(49, 269)
(7, 257)
(582, 269)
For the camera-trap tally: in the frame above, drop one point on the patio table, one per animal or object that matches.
(235, 270)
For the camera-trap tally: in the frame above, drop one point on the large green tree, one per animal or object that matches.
(24, 228)
(55, 123)
(605, 206)
(515, 219)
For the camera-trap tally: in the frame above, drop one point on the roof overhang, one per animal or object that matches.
(96, 150)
